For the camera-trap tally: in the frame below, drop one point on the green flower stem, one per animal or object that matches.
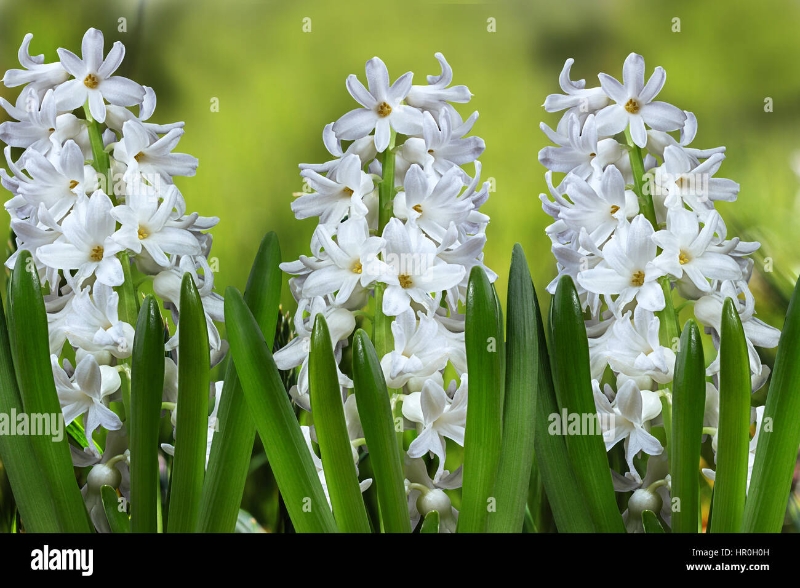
(129, 306)
(382, 325)
(637, 167)
(669, 330)
(382, 335)
(102, 163)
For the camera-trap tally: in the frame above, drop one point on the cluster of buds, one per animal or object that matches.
(95, 204)
(399, 231)
(634, 224)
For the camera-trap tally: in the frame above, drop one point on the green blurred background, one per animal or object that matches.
(277, 84)
(277, 87)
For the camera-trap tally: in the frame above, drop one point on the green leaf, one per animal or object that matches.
(28, 484)
(30, 348)
(519, 410)
(379, 431)
(573, 384)
(147, 385)
(562, 490)
(232, 448)
(650, 522)
(688, 407)
(733, 434)
(275, 420)
(779, 436)
(117, 520)
(331, 428)
(483, 436)
(191, 424)
(431, 523)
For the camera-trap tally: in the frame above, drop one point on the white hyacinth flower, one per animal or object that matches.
(85, 392)
(87, 244)
(438, 414)
(627, 418)
(382, 109)
(94, 78)
(627, 269)
(634, 103)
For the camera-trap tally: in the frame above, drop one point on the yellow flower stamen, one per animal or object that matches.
(632, 105)
(91, 81)
(384, 110)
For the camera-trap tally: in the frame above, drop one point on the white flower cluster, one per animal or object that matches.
(626, 254)
(87, 191)
(419, 250)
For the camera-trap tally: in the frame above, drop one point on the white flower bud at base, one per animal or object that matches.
(102, 475)
(433, 500)
(439, 501)
(640, 501)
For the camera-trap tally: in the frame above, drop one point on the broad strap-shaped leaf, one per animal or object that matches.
(275, 421)
(483, 436)
(688, 406)
(232, 447)
(733, 434)
(331, 428)
(562, 490)
(779, 436)
(375, 412)
(30, 348)
(573, 384)
(519, 409)
(147, 384)
(191, 424)
(28, 484)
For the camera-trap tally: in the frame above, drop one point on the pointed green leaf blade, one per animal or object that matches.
(191, 425)
(688, 407)
(331, 428)
(30, 348)
(562, 490)
(483, 436)
(232, 447)
(28, 484)
(379, 431)
(733, 434)
(147, 384)
(573, 384)
(275, 420)
(519, 408)
(779, 437)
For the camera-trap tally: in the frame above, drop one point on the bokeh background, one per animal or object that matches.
(277, 71)
(278, 84)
